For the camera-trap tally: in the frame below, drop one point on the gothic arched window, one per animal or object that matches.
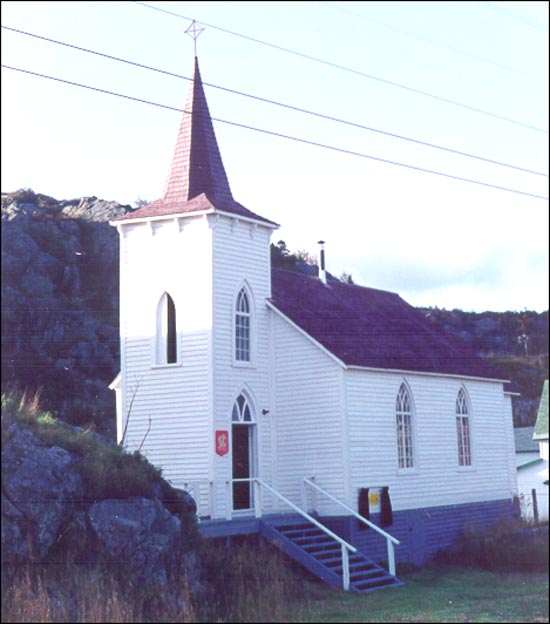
(167, 352)
(242, 327)
(403, 421)
(463, 429)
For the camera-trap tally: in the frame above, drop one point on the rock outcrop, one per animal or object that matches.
(46, 508)
(60, 264)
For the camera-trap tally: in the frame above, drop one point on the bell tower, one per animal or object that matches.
(194, 278)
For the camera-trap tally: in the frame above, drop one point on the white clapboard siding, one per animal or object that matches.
(533, 477)
(510, 443)
(170, 417)
(309, 416)
(436, 478)
(240, 258)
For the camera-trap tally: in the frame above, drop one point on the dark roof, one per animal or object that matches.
(541, 425)
(197, 180)
(524, 440)
(372, 328)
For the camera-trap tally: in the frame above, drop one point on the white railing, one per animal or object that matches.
(202, 491)
(390, 540)
(345, 547)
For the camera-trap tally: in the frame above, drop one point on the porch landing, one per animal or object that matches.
(243, 525)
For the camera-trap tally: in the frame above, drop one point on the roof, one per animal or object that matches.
(372, 328)
(528, 464)
(523, 437)
(541, 425)
(196, 180)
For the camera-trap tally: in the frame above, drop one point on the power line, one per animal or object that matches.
(280, 104)
(284, 136)
(351, 70)
(514, 16)
(432, 41)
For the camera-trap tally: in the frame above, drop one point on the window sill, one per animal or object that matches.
(242, 364)
(172, 365)
(405, 472)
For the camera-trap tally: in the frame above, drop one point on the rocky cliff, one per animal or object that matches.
(60, 302)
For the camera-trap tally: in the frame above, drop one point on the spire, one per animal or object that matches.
(197, 166)
(197, 181)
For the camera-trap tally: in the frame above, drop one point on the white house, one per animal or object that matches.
(533, 469)
(240, 380)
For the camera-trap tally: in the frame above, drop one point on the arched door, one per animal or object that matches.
(244, 453)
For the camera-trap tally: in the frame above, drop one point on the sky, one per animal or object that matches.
(406, 86)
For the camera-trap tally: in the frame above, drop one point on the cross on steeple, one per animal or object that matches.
(194, 30)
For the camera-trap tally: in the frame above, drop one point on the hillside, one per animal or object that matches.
(60, 311)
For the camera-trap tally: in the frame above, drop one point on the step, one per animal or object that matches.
(369, 575)
(382, 582)
(327, 554)
(312, 539)
(296, 526)
(294, 532)
(322, 547)
(365, 568)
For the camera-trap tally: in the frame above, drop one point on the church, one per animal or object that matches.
(334, 419)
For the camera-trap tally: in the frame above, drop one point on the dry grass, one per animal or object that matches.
(85, 594)
(248, 582)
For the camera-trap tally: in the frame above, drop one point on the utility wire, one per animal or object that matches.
(280, 104)
(351, 70)
(428, 40)
(283, 136)
(514, 16)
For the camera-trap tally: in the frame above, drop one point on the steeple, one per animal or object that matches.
(197, 166)
(197, 181)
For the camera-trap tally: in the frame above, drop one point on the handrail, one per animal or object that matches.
(194, 487)
(354, 513)
(344, 546)
(307, 516)
(390, 540)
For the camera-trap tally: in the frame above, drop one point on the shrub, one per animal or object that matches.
(506, 547)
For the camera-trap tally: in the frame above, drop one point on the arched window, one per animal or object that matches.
(463, 429)
(241, 410)
(242, 327)
(403, 418)
(166, 331)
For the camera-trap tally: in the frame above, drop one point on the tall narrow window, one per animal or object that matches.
(463, 429)
(166, 331)
(242, 327)
(403, 417)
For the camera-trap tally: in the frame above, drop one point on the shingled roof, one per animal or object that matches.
(372, 328)
(197, 180)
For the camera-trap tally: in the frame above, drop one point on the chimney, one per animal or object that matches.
(322, 272)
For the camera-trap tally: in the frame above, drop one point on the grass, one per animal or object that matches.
(443, 594)
(257, 586)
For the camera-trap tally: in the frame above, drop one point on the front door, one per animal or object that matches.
(243, 437)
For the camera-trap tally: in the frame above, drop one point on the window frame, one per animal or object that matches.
(238, 315)
(463, 433)
(405, 430)
(167, 343)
